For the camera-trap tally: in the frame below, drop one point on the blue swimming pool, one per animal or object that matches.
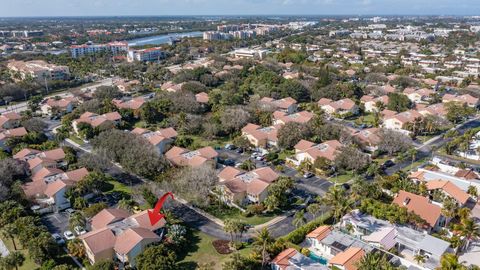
(317, 258)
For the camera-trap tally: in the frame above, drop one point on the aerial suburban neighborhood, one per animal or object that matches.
(240, 142)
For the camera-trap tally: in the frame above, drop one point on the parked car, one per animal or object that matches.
(69, 235)
(79, 230)
(58, 239)
(388, 163)
(70, 211)
(230, 147)
(308, 175)
(229, 162)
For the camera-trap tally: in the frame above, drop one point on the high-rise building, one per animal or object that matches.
(145, 55)
(112, 47)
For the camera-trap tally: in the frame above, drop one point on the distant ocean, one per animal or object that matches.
(162, 39)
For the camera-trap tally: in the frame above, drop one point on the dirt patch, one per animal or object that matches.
(222, 246)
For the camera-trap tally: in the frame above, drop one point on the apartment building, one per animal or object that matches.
(85, 49)
(145, 55)
(38, 69)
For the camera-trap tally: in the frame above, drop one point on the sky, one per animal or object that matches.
(29, 8)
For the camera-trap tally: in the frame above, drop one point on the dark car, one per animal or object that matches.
(389, 163)
(229, 162)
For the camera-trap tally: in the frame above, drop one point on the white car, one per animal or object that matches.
(79, 230)
(58, 239)
(69, 235)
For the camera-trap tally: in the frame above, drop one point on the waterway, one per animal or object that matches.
(162, 39)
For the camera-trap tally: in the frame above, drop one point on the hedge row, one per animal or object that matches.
(297, 236)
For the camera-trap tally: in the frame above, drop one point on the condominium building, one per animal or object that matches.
(112, 47)
(145, 55)
(38, 69)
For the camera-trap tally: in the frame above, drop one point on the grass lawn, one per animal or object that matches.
(369, 119)
(76, 139)
(114, 185)
(224, 212)
(201, 251)
(29, 263)
(285, 153)
(202, 142)
(343, 178)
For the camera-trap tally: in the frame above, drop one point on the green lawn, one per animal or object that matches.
(76, 139)
(201, 251)
(224, 212)
(29, 263)
(202, 142)
(114, 185)
(343, 178)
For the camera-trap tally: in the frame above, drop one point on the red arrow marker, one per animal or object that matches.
(155, 215)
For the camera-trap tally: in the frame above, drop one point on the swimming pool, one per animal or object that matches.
(317, 258)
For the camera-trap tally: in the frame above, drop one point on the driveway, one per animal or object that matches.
(56, 222)
(472, 256)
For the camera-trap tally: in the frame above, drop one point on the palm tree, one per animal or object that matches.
(77, 219)
(262, 241)
(472, 191)
(248, 165)
(76, 248)
(313, 209)
(412, 152)
(370, 261)
(337, 199)
(450, 262)
(126, 204)
(10, 231)
(420, 258)
(469, 230)
(299, 219)
(449, 209)
(12, 261)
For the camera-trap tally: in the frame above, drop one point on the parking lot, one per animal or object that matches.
(56, 222)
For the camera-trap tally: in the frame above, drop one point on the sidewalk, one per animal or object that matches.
(3, 249)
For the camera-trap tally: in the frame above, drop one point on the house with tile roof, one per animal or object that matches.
(243, 188)
(9, 120)
(306, 151)
(434, 109)
(463, 99)
(36, 159)
(183, 157)
(340, 107)
(134, 104)
(51, 106)
(96, 120)
(161, 138)
(290, 258)
(449, 189)
(287, 105)
(426, 175)
(202, 98)
(281, 118)
(11, 133)
(422, 207)
(348, 259)
(117, 235)
(370, 102)
(261, 137)
(418, 95)
(399, 121)
(368, 139)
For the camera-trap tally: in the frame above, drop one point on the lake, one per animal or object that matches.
(162, 39)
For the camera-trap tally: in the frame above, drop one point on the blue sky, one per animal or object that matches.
(11, 8)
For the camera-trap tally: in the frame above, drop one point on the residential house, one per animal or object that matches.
(96, 120)
(399, 121)
(171, 87)
(348, 259)
(369, 138)
(49, 185)
(161, 139)
(418, 95)
(385, 235)
(449, 189)
(454, 176)
(281, 118)
(306, 151)
(423, 207)
(242, 188)
(117, 235)
(339, 107)
(10, 120)
(434, 109)
(134, 104)
(287, 105)
(127, 86)
(36, 159)
(371, 102)
(183, 157)
(261, 137)
(292, 259)
(202, 98)
(11, 133)
(54, 106)
(463, 99)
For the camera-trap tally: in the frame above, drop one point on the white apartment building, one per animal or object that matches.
(145, 55)
(113, 47)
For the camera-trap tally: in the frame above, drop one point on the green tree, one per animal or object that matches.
(12, 261)
(398, 102)
(299, 219)
(102, 265)
(337, 199)
(262, 241)
(156, 257)
(450, 262)
(469, 230)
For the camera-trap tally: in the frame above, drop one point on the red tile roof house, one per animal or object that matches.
(368, 138)
(397, 122)
(288, 104)
(133, 104)
(418, 96)
(161, 139)
(58, 106)
(243, 188)
(10, 120)
(172, 87)
(306, 151)
(11, 133)
(183, 157)
(423, 207)
(435, 109)
(261, 137)
(126, 86)
(96, 120)
(339, 107)
(202, 97)
(464, 99)
(37, 160)
(281, 118)
(449, 189)
(118, 235)
(348, 259)
(370, 102)
(49, 185)
(291, 259)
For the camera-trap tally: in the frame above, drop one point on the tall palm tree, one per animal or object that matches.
(420, 258)
(262, 241)
(248, 165)
(10, 231)
(450, 262)
(449, 209)
(313, 209)
(337, 199)
(77, 219)
(299, 219)
(469, 230)
(126, 204)
(12, 261)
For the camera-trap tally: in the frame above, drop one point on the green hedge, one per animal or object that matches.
(297, 236)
